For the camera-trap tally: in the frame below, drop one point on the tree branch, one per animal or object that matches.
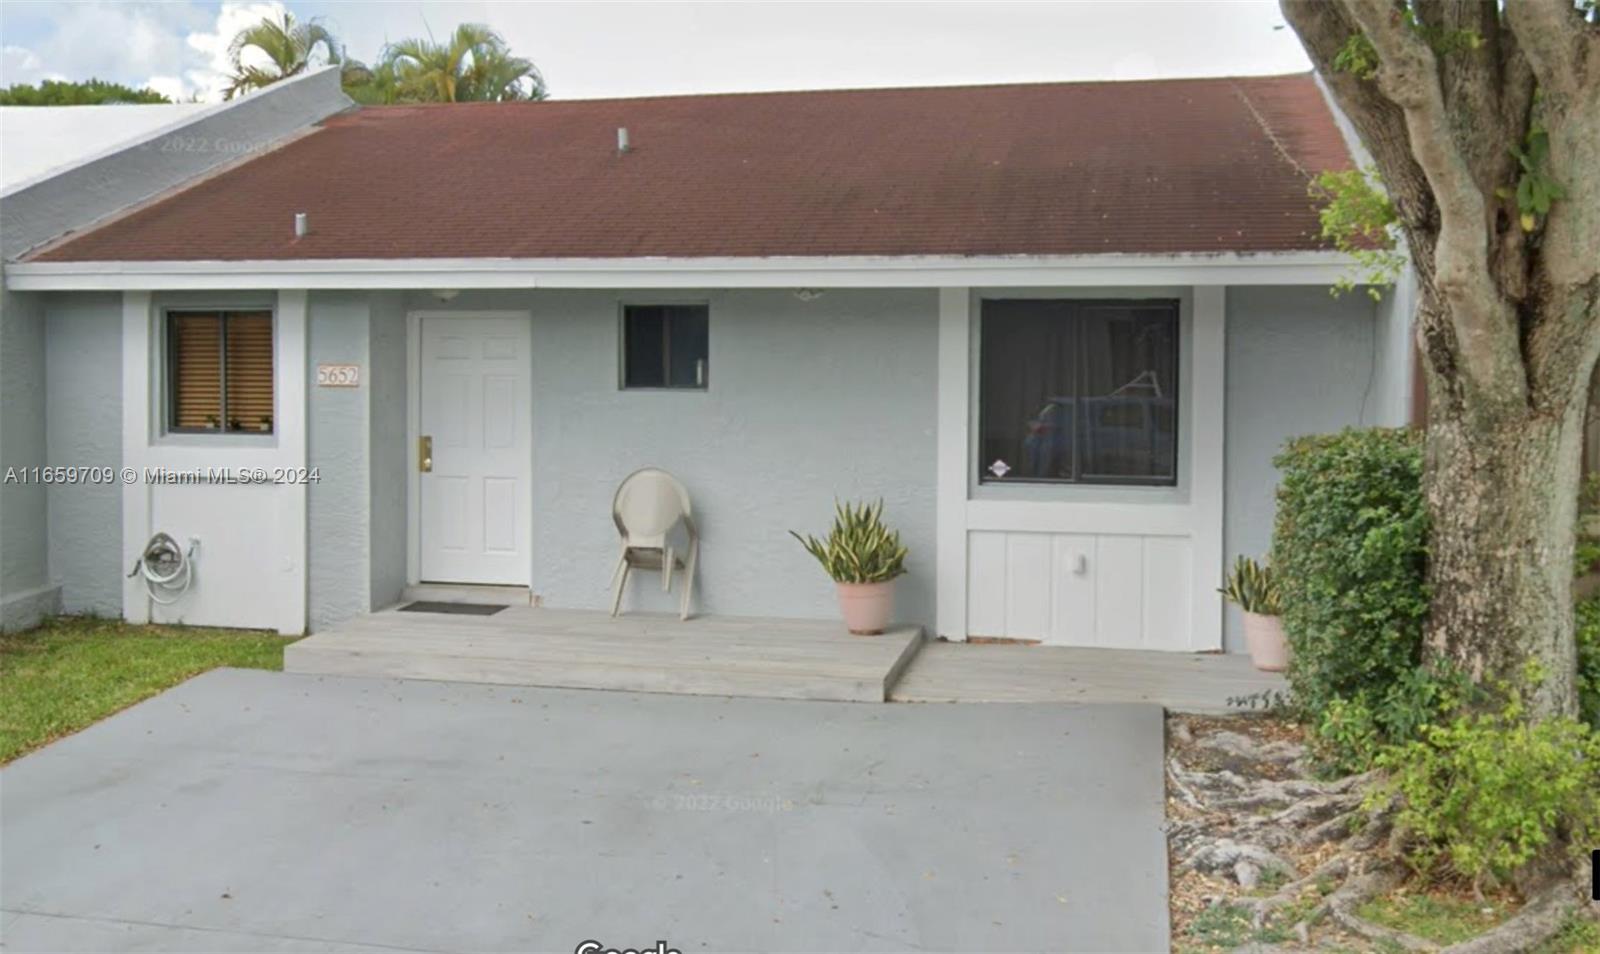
(1515, 109)
(1323, 30)
(1470, 77)
(1563, 51)
(1486, 328)
(1558, 43)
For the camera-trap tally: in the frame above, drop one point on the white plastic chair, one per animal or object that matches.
(649, 504)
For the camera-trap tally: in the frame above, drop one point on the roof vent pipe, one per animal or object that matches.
(622, 139)
(301, 225)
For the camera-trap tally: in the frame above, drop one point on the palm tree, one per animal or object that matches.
(290, 46)
(375, 85)
(474, 64)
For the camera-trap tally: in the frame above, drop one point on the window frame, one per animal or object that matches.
(666, 354)
(986, 479)
(169, 377)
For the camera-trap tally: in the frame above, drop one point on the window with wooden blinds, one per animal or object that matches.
(219, 371)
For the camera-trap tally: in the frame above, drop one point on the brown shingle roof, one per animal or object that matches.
(1202, 165)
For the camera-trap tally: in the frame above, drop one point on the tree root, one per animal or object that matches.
(1242, 829)
(1227, 791)
(1321, 809)
(1541, 918)
(1288, 793)
(1200, 784)
(1244, 747)
(1223, 855)
(1334, 869)
(1341, 904)
(1246, 825)
(1337, 828)
(1185, 794)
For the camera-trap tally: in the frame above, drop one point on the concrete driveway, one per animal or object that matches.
(262, 811)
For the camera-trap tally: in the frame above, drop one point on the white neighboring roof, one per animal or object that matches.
(66, 169)
(39, 141)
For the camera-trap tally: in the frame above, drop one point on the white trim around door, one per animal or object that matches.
(521, 530)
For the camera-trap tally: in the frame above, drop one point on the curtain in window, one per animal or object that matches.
(1029, 376)
(1078, 391)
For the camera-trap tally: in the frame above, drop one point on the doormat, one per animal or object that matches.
(458, 609)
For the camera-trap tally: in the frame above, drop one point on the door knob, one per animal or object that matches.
(425, 454)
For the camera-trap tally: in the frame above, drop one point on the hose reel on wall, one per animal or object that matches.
(167, 568)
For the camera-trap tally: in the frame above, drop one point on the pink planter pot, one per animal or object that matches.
(1269, 649)
(866, 607)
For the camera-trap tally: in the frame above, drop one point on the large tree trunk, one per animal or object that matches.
(1502, 495)
(1474, 114)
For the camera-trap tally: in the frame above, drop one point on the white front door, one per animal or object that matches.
(474, 407)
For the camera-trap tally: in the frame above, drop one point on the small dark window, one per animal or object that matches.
(665, 346)
(1078, 391)
(219, 371)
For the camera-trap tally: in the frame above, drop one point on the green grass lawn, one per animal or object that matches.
(74, 671)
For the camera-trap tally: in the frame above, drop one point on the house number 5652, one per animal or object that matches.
(338, 375)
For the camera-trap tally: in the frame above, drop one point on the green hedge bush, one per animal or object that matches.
(1350, 550)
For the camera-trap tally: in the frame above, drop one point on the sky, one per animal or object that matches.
(595, 49)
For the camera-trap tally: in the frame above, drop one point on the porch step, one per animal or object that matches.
(466, 593)
(523, 646)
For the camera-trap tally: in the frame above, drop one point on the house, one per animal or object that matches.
(1060, 329)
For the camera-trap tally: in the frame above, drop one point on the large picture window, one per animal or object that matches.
(1078, 391)
(219, 372)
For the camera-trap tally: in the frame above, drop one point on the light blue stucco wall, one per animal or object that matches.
(1396, 318)
(356, 441)
(390, 454)
(1299, 361)
(807, 401)
(26, 592)
(83, 366)
(791, 419)
(337, 503)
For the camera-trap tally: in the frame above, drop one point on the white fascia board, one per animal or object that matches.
(1276, 268)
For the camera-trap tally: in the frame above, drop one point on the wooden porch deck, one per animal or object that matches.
(1182, 682)
(521, 645)
(773, 658)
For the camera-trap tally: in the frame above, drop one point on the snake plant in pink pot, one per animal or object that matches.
(863, 557)
(1253, 588)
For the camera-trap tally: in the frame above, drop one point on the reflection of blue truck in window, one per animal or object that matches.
(1124, 434)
